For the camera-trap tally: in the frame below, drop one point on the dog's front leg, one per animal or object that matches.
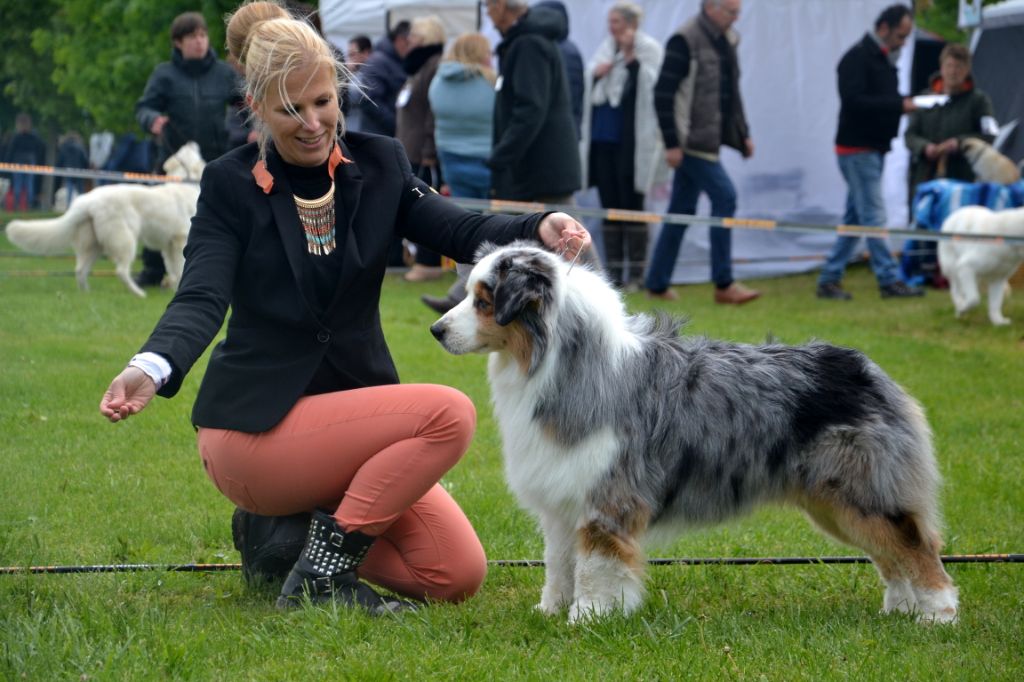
(609, 573)
(559, 562)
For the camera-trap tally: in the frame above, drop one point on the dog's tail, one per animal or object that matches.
(48, 237)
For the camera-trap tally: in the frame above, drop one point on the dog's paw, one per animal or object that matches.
(1001, 321)
(546, 609)
(583, 610)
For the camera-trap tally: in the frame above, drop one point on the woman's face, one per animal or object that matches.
(617, 25)
(304, 132)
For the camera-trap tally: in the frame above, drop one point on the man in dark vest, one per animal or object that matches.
(697, 100)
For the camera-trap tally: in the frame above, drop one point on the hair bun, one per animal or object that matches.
(242, 24)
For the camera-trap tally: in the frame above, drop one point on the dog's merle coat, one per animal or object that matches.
(656, 430)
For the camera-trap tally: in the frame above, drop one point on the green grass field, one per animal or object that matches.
(78, 490)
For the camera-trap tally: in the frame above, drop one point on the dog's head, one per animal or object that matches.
(511, 295)
(974, 148)
(186, 163)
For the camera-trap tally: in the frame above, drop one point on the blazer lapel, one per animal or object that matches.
(286, 217)
(348, 183)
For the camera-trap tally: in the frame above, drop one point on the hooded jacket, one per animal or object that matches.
(963, 116)
(380, 80)
(535, 153)
(195, 95)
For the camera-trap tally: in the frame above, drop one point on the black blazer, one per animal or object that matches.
(870, 101)
(247, 250)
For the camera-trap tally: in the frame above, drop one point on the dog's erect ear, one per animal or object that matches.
(522, 285)
(483, 250)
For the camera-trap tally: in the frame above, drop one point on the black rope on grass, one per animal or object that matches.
(528, 563)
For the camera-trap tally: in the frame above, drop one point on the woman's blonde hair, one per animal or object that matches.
(270, 44)
(473, 50)
(429, 29)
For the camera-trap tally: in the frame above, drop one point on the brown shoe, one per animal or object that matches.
(736, 294)
(423, 273)
(667, 295)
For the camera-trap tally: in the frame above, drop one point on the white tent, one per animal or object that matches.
(343, 19)
(788, 54)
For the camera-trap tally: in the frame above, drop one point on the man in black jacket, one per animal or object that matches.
(187, 98)
(869, 117)
(535, 156)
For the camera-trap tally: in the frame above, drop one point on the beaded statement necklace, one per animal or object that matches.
(317, 216)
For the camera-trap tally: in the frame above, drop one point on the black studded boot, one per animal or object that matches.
(326, 570)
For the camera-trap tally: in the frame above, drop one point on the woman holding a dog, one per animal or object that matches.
(300, 409)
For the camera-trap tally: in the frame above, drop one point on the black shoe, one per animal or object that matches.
(326, 571)
(900, 290)
(439, 305)
(833, 291)
(269, 545)
(149, 278)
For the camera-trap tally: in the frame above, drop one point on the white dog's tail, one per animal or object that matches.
(48, 237)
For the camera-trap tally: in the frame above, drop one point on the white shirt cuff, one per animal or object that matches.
(154, 365)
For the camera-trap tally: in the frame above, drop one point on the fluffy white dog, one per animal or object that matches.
(969, 265)
(111, 220)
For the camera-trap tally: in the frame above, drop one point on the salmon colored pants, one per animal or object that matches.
(374, 457)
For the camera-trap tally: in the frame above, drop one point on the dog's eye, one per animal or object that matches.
(482, 305)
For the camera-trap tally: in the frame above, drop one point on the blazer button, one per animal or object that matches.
(323, 337)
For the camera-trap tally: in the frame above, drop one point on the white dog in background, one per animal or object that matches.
(970, 265)
(111, 220)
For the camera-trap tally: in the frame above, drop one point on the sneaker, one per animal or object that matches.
(900, 290)
(667, 295)
(439, 304)
(736, 294)
(833, 291)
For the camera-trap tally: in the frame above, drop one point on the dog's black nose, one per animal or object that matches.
(438, 330)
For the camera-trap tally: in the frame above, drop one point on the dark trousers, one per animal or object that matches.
(625, 244)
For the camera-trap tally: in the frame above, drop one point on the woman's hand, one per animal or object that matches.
(129, 392)
(561, 233)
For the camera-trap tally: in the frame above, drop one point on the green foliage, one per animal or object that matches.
(941, 16)
(76, 489)
(66, 57)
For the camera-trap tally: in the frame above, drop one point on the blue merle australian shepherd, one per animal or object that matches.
(616, 429)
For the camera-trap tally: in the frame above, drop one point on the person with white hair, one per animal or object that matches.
(622, 156)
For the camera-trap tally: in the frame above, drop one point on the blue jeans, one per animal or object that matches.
(24, 183)
(467, 176)
(864, 206)
(693, 176)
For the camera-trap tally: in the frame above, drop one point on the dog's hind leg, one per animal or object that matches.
(906, 551)
(87, 252)
(996, 291)
(609, 566)
(559, 564)
(899, 596)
